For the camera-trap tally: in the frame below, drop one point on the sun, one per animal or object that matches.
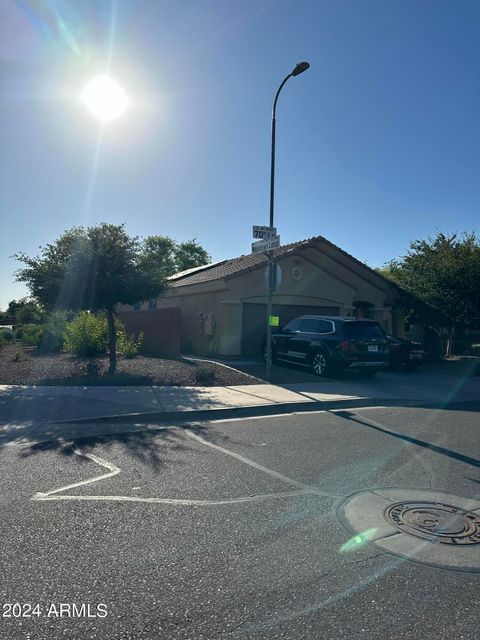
(105, 98)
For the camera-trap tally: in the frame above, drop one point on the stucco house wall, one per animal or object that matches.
(221, 303)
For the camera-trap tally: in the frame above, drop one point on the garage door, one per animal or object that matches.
(255, 321)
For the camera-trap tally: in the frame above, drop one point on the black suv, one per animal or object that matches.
(326, 343)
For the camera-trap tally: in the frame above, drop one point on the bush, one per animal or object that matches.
(87, 335)
(52, 338)
(31, 334)
(127, 345)
(50, 342)
(6, 335)
(205, 376)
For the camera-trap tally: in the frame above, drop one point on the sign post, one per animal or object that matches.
(269, 240)
(297, 70)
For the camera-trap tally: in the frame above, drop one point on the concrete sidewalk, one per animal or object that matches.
(25, 411)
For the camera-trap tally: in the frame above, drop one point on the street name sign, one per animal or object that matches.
(264, 232)
(266, 245)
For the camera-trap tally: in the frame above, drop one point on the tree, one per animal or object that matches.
(444, 273)
(190, 254)
(92, 269)
(158, 256)
(163, 256)
(24, 311)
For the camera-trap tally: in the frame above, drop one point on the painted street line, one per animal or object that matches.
(113, 470)
(260, 467)
(174, 501)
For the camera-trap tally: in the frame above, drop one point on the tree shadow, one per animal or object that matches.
(151, 447)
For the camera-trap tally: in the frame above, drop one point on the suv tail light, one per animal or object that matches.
(345, 346)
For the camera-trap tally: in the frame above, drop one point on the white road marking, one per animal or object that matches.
(260, 467)
(302, 488)
(114, 470)
(59, 494)
(174, 501)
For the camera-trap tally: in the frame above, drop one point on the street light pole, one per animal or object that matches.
(299, 68)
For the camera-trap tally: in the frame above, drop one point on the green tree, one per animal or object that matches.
(190, 254)
(158, 256)
(92, 269)
(163, 256)
(24, 311)
(444, 273)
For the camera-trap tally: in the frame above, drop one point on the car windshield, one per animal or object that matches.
(363, 330)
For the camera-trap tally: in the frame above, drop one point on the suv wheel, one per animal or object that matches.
(319, 363)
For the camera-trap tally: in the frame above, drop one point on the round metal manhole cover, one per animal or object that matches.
(435, 521)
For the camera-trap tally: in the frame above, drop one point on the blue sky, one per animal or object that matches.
(378, 142)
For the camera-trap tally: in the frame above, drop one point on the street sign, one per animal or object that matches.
(264, 232)
(274, 321)
(266, 245)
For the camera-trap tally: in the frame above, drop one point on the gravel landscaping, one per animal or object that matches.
(23, 365)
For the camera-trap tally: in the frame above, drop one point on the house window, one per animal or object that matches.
(152, 304)
(136, 306)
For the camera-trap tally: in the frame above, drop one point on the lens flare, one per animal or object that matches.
(105, 98)
(359, 540)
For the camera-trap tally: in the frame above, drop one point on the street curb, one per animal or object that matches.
(197, 415)
(140, 422)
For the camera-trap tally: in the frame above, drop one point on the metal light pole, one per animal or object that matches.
(299, 68)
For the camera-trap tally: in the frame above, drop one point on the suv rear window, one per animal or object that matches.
(363, 330)
(312, 325)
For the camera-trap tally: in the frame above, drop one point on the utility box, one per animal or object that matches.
(209, 325)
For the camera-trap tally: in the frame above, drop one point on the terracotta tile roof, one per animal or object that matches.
(232, 267)
(235, 266)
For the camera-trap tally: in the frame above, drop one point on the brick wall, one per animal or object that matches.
(162, 329)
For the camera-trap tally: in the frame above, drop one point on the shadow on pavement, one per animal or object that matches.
(284, 373)
(148, 448)
(289, 372)
(347, 415)
(151, 448)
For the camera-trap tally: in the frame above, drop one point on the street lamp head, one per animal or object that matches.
(300, 68)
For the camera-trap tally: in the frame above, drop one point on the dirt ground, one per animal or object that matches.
(24, 365)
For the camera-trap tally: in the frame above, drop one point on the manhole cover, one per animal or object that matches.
(435, 521)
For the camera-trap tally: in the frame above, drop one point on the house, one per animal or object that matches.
(223, 305)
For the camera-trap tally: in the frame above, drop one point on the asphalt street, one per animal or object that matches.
(231, 530)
